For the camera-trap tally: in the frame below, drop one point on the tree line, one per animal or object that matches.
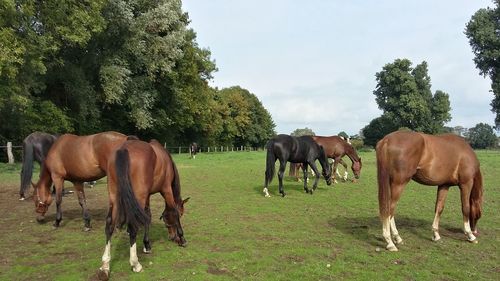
(129, 66)
(135, 67)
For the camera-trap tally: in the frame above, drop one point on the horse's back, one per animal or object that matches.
(428, 159)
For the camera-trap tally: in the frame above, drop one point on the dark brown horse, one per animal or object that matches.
(35, 148)
(335, 148)
(135, 171)
(76, 159)
(444, 160)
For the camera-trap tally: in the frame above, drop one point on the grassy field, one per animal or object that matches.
(235, 233)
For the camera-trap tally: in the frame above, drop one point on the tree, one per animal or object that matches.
(484, 38)
(343, 134)
(377, 129)
(404, 95)
(482, 136)
(303, 132)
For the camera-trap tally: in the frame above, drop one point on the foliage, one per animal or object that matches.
(124, 65)
(303, 132)
(404, 94)
(357, 143)
(483, 33)
(343, 134)
(482, 136)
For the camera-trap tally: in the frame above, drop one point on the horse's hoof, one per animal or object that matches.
(267, 195)
(40, 219)
(436, 238)
(87, 228)
(103, 274)
(392, 248)
(137, 267)
(146, 251)
(22, 199)
(282, 194)
(475, 241)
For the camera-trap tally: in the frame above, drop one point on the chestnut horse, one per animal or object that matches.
(76, 159)
(443, 160)
(336, 147)
(295, 150)
(137, 170)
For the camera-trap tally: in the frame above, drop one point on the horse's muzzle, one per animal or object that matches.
(41, 208)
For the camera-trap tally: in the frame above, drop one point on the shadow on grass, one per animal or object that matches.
(369, 229)
(290, 185)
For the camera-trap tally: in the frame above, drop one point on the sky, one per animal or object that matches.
(313, 63)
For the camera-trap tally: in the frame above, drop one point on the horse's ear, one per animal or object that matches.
(185, 201)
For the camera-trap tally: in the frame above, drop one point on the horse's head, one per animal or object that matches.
(327, 168)
(172, 219)
(356, 168)
(42, 199)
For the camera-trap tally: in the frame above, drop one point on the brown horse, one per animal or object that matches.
(135, 171)
(335, 148)
(77, 159)
(444, 160)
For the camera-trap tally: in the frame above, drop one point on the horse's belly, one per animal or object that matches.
(434, 178)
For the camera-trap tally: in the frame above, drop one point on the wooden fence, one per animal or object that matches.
(173, 149)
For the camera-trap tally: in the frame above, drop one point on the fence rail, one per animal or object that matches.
(172, 149)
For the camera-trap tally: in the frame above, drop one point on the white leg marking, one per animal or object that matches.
(266, 193)
(134, 260)
(468, 232)
(345, 176)
(435, 228)
(394, 232)
(386, 232)
(106, 257)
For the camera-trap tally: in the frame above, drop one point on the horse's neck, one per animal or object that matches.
(351, 153)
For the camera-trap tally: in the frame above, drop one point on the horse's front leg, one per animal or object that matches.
(83, 204)
(440, 199)
(59, 185)
(344, 178)
(334, 169)
(134, 260)
(316, 177)
(147, 243)
(281, 173)
(304, 171)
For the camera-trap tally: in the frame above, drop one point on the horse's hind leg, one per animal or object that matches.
(440, 199)
(281, 173)
(147, 243)
(108, 230)
(465, 196)
(83, 203)
(395, 195)
(134, 260)
(344, 178)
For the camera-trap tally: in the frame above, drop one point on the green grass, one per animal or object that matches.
(235, 233)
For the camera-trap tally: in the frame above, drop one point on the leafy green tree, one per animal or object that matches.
(343, 134)
(483, 33)
(377, 129)
(303, 132)
(482, 136)
(404, 95)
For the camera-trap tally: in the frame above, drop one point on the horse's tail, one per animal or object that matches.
(270, 160)
(27, 169)
(476, 200)
(129, 210)
(384, 190)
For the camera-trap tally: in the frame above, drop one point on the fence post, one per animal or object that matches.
(179, 150)
(9, 153)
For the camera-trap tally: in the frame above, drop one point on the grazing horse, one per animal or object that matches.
(35, 148)
(336, 147)
(443, 160)
(295, 150)
(135, 171)
(193, 149)
(76, 159)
